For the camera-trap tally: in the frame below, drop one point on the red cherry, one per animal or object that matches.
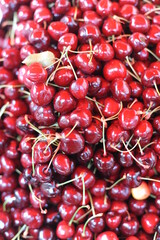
(68, 40)
(111, 27)
(57, 29)
(64, 230)
(139, 23)
(91, 17)
(122, 49)
(153, 34)
(85, 62)
(36, 73)
(114, 69)
(32, 217)
(104, 8)
(128, 10)
(79, 88)
(42, 14)
(40, 39)
(108, 235)
(149, 222)
(103, 51)
(89, 32)
(62, 164)
(128, 118)
(120, 89)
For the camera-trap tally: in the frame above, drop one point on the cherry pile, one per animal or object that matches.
(80, 119)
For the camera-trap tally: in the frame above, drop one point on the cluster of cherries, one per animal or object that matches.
(80, 119)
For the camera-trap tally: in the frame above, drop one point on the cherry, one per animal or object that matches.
(113, 219)
(128, 10)
(42, 173)
(101, 204)
(5, 220)
(91, 17)
(144, 130)
(40, 39)
(104, 8)
(93, 134)
(139, 23)
(119, 192)
(62, 164)
(8, 183)
(62, 6)
(36, 73)
(5, 75)
(136, 89)
(57, 29)
(81, 174)
(64, 230)
(153, 34)
(138, 41)
(108, 235)
(64, 102)
(99, 188)
(103, 51)
(125, 159)
(79, 88)
(52, 217)
(71, 196)
(79, 231)
(11, 58)
(128, 118)
(44, 115)
(9, 234)
(149, 222)
(129, 225)
(42, 94)
(42, 14)
(120, 89)
(154, 187)
(122, 49)
(8, 165)
(111, 27)
(103, 162)
(42, 152)
(85, 62)
(114, 69)
(63, 77)
(71, 141)
(67, 39)
(82, 118)
(32, 217)
(89, 32)
(24, 13)
(37, 199)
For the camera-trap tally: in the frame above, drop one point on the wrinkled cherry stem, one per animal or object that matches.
(81, 207)
(19, 232)
(89, 219)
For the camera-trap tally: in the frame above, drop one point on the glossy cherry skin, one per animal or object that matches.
(144, 130)
(103, 51)
(114, 69)
(129, 225)
(91, 17)
(149, 222)
(36, 73)
(63, 77)
(18, 107)
(120, 192)
(89, 31)
(82, 118)
(89, 178)
(128, 119)
(97, 225)
(41, 174)
(125, 159)
(24, 13)
(5, 220)
(8, 165)
(68, 40)
(137, 206)
(138, 41)
(79, 231)
(153, 34)
(42, 14)
(84, 62)
(32, 217)
(11, 58)
(5, 75)
(139, 23)
(41, 155)
(113, 219)
(101, 205)
(8, 183)
(93, 133)
(71, 196)
(40, 39)
(57, 29)
(79, 88)
(64, 102)
(115, 132)
(103, 163)
(111, 27)
(149, 76)
(120, 89)
(111, 107)
(155, 187)
(128, 10)
(122, 49)
(104, 8)
(136, 89)
(62, 164)
(108, 235)
(64, 230)
(46, 233)
(42, 94)
(99, 188)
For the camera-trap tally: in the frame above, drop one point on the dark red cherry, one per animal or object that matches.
(63, 77)
(5, 220)
(8, 183)
(83, 172)
(153, 34)
(96, 225)
(103, 51)
(99, 188)
(122, 49)
(42, 94)
(120, 192)
(132, 176)
(82, 118)
(125, 159)
(40, 39)
(24, 13)
(128, 118)
(8, 165)
(79, 231)
(85, 155)
(68, 40)
(115, 133)
(42, 173)
(137, 206)
(93, 133)
(120, 89)
(62, 164)
(63, 102)
(42, 152)
(129, 225)
(85, 62)
(144, 130)
(113, 219)
(62, 6)
(71, 23)
(46, 233)
(32, 217)
(101, 204)
(89, 32)
(79, 88)
(103, 162)
(138, 41)
(111, 27)
(42, 14)
(71, 196)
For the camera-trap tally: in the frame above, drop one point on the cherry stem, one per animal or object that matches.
(147, 145)
(43, 211)
(83, 184)
(33, 168)
(137, 77)
(114, 184)
(34, 127)
(117, 18)
(145, 166)
(150, 179)
(7, 201)
(91, 50)
(31, 190)
(129, 217)
(157, 90)
(134, 76)
(75, 125)
(152, 10)
(3, 109)
(140, 148)
(55, 152)
(155, 236)
(94, 100)
(130, 105)
(83, 216)
(127, 145)
(25, 233)
(19, 232)
(75, 75)
(54, 85)
(153, 54)
(115, 115)
(119, 37)
(67, 182)
(91, 202)
(18, 171)
(72, 219)
(89, 219)
(14, 25)
(75, 13)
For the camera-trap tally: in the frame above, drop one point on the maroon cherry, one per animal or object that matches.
(149, 222)
(113, 219)
(32, 217)
(64, 230)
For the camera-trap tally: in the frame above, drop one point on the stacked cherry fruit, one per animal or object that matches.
(80, 119)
